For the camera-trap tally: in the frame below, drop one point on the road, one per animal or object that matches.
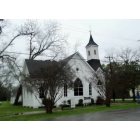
(118, 115)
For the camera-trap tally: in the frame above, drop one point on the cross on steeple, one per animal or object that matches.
(90, 32)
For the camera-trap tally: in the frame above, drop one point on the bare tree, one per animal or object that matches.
(1, 26)
(130, 60)
(76, 46)
(7, 61)
(128, 55)
(6, 42)
(15, 73)
(50, 80)
(40, 39)
(44, 38)
(123, 73)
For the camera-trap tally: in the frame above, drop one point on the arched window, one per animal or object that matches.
(88, 52)
(90, 89)
(94, 51)
(78, 87)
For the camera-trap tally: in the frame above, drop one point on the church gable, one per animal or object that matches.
(77, 59)
(81, 68)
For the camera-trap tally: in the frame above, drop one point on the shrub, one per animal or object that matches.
(44, 101)
(92, 101)
(19, 103)
(4, 95)
(80, 102)
(69, 102)
(65, 104)
(100, 100)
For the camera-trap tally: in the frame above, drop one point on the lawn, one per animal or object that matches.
(9, 112)
(7, 109)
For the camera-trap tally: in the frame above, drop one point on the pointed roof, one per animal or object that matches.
(81, 58)
(69, 57)
(91, 41)
(94, 63)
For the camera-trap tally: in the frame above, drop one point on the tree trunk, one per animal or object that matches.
(123, 98)
(19, 92)
(114, 95)
(48, 106)
(123, 95)
(107, 102)
(134, 97)
(108, 95)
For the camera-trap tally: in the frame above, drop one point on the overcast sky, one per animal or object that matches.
(111, 35)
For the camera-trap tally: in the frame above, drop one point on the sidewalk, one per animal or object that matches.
(23, 113)
(33, 112)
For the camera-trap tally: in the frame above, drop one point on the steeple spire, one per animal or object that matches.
(91, 41)
(92, 49)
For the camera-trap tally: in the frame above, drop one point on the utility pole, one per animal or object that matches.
(111, 70)
(110, 90)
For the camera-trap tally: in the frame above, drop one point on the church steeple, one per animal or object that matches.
(92, 54)
(91, 41)
(92, 49)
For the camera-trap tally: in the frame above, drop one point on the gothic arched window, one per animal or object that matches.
(94, 51)
(78, 87)
(90, 89)
(88, 52)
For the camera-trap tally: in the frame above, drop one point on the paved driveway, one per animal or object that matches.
(118, 115)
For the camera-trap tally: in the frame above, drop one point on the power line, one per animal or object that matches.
(16, 53)
(24, 53)
(68, 56)
(82, 30)
(49, 56)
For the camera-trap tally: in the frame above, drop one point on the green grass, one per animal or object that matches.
(8, 109)
(120, 101)
(9, 112)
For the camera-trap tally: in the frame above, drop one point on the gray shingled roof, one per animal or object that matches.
(35, 66)
(94, 63)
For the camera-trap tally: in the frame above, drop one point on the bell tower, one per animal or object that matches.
(92, 49)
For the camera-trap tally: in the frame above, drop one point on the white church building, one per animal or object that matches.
(88, 75)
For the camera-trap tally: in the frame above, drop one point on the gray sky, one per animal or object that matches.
(111, 35)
